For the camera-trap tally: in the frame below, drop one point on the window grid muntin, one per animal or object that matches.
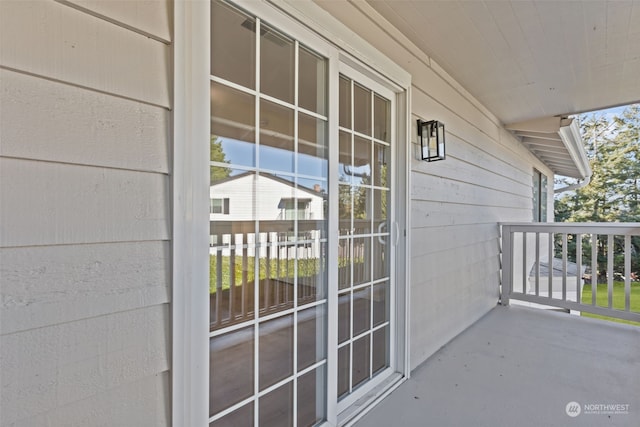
(274, 100)
(267, 390)
(258, 318)
(265, 318)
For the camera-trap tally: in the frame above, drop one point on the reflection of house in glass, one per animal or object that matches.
(280, 222)
(274, 199)
(282, 210)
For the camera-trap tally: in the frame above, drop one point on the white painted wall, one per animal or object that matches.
(84, 213)
(456, 204)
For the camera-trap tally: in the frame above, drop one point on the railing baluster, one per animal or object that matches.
(232, 279)
(627, 273)
(550, 244)
(594, 268)
(507, 264)
(276, 299)
(564, 266)
(524, 263)
(537, 264)
(610, 270)
(267, 269)
(288, 274)
(218, 285)
(579, 268)
(245, 278)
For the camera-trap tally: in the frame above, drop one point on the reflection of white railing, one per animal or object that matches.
(268, 245)
(286, 267)
(536, 265)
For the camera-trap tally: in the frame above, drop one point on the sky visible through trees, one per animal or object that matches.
(612, 142)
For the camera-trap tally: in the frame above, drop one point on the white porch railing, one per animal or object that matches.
(545, 263)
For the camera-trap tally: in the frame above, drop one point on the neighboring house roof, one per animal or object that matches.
(572, 269)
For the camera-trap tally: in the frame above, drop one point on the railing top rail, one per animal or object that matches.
(620, 228)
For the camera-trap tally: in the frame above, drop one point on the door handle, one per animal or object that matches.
(380, 227)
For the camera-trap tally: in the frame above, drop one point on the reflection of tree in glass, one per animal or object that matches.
(360, 201)
(344, 199)
(348, 206)
(382, 204)
(360, 193)
(362, 198)
(217, 155)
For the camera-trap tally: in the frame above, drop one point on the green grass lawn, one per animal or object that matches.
(307, 267)
(602, 299)
(281, 269)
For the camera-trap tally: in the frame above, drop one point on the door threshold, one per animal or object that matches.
(359, 408)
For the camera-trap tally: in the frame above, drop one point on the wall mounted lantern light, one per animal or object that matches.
(431, 136)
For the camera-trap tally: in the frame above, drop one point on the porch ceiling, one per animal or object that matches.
(527, 60)
(530, 59)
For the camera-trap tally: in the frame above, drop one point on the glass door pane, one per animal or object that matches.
(268, 225)
(364, 282)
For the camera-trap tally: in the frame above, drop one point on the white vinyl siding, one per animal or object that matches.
(58, 42)
(84, 214)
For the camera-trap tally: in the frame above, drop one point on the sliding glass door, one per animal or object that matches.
(268, 237)
(282, 116)
(365, 285)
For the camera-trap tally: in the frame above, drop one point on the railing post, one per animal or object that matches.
(507, 265)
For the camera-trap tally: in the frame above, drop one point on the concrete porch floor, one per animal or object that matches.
(519, 366)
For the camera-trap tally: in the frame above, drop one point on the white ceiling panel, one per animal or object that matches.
(530, 59)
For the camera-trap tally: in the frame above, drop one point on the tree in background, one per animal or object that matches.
(629, 137)
(613, 195)
(217, 155)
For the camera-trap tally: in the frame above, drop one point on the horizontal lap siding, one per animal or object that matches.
(456, 204)
(56, 203)
(72, 361)
(58, 42)
(68, 124)
(486, 179)
(152, 17)
(48, 285)
(138, 403)
(84, 213)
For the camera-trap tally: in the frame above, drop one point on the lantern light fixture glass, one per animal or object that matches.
(432, 145)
